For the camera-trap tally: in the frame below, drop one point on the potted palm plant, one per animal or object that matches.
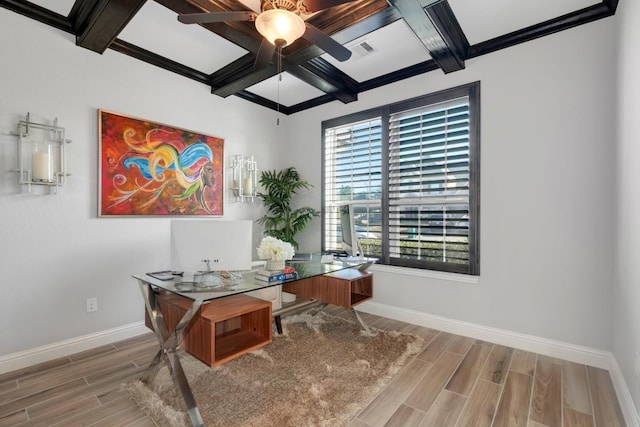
(281, 221)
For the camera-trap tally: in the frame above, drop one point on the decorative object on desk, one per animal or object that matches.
(41, 154)
(281, 220)
(322, 371)
(206, 279)
(288, 297)
(244, 178)
(275, 264)
(302, 257)
(148, 168)
(275, 251)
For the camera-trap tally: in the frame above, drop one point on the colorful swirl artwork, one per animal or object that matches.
(148, 168)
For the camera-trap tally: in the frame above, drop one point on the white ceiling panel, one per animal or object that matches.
(487, 19)
(292, 90)
(63, 7)
(157, 29)
(394, 47)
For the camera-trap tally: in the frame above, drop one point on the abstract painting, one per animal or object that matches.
(148, 168)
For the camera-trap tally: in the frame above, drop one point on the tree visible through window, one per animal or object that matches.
(410, 172)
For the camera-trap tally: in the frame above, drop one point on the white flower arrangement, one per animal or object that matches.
(276, 249)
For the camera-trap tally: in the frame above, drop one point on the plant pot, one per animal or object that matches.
(275, 264)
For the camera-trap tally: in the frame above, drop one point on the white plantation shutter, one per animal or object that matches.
(411, 172)
(429, 183)
(353, 159)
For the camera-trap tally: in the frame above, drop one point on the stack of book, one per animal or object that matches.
(276, 277)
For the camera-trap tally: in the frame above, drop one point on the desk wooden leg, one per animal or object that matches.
(278, 320)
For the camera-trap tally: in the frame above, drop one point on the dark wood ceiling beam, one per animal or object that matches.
(435, 25)
(159, 61)
(97, 23)
(374, 83)
(39, 13)
(325, 77)
(238, 76)
(405, 73)
(611, 5)
(315, 102)
(561, 23)
(257, 99)
(235, 70)
(445, 22)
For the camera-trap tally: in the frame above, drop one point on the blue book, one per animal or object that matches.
(278, 277)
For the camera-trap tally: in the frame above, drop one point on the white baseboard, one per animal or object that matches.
(33, 356)
(630, 412)
(561, 350)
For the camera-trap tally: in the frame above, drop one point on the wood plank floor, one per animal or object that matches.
(454, 381)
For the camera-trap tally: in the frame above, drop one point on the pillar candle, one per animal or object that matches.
(41, 164)
(247, 187)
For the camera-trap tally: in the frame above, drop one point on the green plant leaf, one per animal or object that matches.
(281, 221)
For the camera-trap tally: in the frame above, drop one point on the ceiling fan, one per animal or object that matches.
(280, 24)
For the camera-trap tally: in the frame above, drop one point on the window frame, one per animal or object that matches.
(472, 92)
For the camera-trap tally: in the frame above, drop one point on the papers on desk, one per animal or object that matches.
(164, 275)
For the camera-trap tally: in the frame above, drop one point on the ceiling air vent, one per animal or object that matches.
(362, 48)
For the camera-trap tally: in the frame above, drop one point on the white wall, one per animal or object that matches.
(547, 188)
(626, 302)
(55, 251)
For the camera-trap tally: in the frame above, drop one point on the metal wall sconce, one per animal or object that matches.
(244, 181)
(41, 154)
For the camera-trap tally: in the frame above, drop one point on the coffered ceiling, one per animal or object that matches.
(389, 40)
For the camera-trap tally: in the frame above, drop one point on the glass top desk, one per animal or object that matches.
(199, 294)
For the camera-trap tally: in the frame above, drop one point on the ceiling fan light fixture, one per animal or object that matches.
(277, 25)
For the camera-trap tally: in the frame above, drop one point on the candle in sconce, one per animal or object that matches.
(41, 162)
(247, 186)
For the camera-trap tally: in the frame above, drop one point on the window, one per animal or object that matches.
(410, 172)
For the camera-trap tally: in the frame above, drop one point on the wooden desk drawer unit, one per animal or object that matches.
(345, 288)
(223, 329)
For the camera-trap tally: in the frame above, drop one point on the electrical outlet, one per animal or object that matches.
(92, 305)
(637, 364)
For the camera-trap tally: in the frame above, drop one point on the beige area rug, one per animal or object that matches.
(321, 372)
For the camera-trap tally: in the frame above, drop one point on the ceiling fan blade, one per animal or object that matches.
(209, 17)
(326, 43)
(264, 55)
(316, 5)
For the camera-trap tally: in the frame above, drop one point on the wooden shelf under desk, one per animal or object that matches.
(345, 288)
(222, 329)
